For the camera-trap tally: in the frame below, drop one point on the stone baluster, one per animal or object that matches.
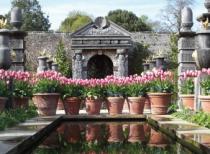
(186, 45)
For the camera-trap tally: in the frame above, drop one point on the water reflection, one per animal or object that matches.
(105, 138)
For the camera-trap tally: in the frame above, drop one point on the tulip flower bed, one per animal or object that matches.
(27, 84)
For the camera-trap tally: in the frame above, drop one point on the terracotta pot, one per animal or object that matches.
(205, 139)
(115, 133)
(93, 132)
(147, 104)
(72, 105)
(20, 102)
(159, 102)
(3, 101)
(157, 139)
(188, 101)
(60, 104)
(93, 106)
(205, 103)
(72, 133)
(115, 105)
(136, 133)
(136, 105)
(46, 103)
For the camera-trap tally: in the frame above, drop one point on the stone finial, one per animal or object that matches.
(186, 19)
(207, 5)
(16, 17)
(101, 23)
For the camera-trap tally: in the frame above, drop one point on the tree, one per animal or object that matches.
(173, 55)
(129, 20)
(171, 14)
(64, 64)
(140, 52)
(33, 17)
(74, 21)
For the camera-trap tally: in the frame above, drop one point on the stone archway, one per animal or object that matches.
(108, 41)
(99, 66)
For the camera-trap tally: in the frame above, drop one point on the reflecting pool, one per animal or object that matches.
(108, 138)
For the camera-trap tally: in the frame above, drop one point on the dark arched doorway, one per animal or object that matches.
(99, 66)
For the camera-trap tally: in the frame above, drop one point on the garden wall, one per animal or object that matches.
(38, 41)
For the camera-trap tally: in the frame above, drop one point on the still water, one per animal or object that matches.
(108, 138)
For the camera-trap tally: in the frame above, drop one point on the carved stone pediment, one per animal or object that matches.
(101, 27)
(101, 34)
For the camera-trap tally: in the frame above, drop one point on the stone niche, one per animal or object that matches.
(104, 40)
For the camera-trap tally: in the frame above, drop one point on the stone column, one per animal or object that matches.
(122, 58)
(77, 65)
(186, 44)
(17, 40)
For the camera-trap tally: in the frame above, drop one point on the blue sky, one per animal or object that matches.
(59, 9)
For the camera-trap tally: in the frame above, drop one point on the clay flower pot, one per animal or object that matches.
(136, 133)
(136, 105)
(115, 133)
(115, 105)
(205, 139)
(72, 105)
(159, 102)
(60, 104)
(3, 101)
(93, 132)
(188, 101)
(93, 106)
(20, 102)
(205, 103)
(157, 139)
(46, 103)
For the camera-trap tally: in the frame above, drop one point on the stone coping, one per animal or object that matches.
(192, 136)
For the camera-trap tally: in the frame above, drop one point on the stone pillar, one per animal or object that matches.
(77, 65)
(186, 44)
(122, 58)
(17, 40)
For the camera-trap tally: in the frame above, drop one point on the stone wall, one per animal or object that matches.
(39, 41)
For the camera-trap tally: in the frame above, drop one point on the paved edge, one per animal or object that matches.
(188, 143)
